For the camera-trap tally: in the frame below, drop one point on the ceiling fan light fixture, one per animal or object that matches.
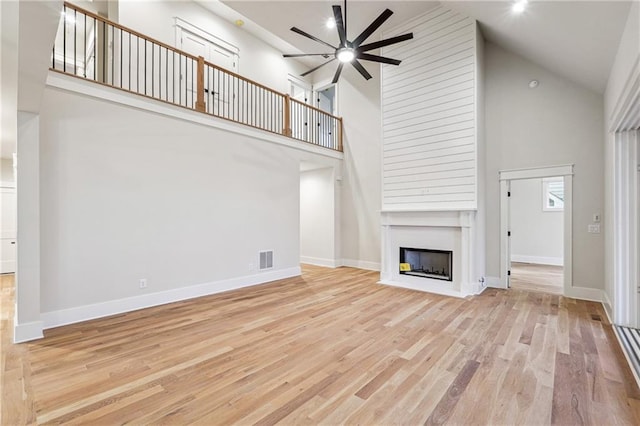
(331, 23)
(345, 55)
(519, 6)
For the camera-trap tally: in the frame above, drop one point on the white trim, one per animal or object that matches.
(585, 293)
(537, 172)
(539, 260)
(361, 264)
(7, 184)
(494, 282)
(626, 114)
(182, 24)
(329, 263)
(443, 290)
(505, 177)
(27, 331)
(113, 307)
(432, 289)
(110, 94)
(606, 304)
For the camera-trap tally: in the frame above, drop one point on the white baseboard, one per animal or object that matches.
(494, 282)
(113, 307)
(540, 260)
(361, 264)
(608, 308)
(585, 293)
(27, 331)
(318, 261)
(431, 289)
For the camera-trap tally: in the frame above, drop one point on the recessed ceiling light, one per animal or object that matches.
(519, 6)
(533, 84)
(331, 23)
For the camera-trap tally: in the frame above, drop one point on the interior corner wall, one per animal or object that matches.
(317, 226)
(128, 194)
(359, 105)
(258, 60)
(557, 123)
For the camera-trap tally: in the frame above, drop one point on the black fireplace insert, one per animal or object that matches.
(435, 264)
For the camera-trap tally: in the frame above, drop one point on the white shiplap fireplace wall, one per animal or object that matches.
(433, 150)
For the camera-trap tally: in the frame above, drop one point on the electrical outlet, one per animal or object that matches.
(143, 283)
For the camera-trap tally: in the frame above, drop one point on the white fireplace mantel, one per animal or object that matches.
(453, 230)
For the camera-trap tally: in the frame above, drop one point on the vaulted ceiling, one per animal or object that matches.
(575, 39)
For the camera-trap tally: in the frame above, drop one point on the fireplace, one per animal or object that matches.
(425, 263)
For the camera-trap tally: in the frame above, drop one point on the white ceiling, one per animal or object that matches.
(575, 39)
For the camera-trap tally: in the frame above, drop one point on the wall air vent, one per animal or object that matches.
(266, 259)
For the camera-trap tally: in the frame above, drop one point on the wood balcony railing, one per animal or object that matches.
(91, 47)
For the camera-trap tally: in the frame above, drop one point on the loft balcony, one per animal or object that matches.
(94, 48)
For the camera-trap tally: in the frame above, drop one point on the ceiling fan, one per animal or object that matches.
(352, 51)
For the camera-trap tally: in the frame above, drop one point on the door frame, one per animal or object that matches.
(10, 187)
(506, 176)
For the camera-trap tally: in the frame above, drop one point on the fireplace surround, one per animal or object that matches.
(453, 232)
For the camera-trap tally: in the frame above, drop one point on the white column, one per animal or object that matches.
(625, 224)
(27, 325)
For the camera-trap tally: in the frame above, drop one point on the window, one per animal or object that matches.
(553, 194)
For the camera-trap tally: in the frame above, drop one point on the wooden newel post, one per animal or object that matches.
(200, 104)
(286, 129)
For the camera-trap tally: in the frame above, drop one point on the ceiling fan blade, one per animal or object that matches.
(385, 42)
(319, 66)
(337, 75)
(298, 55)
(337, 15)
(302, 33)
(372, 27)
(376, 58)
(357, 65)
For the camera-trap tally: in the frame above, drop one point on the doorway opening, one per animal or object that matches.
(536, 226)
(537, 234)
(318, 223)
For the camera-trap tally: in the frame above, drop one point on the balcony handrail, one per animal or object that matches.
(127, 29)
(177, 77)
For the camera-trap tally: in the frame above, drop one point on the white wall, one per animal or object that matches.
(560, 122)
(258, 60)
(128, 194)
(359, 105)
(429, 106)
(536, 235)
(317, 222)
(6, 170)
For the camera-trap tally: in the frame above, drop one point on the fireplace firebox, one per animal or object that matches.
(425, 263)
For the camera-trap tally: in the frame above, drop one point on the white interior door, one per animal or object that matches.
(299, 116)
(7, 230)
(218, 90)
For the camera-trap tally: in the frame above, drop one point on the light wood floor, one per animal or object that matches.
(327, 348)
(534, 277)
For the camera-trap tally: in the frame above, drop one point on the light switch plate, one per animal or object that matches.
(594, 229)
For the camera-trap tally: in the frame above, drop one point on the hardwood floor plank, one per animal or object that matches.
(443, 410)
(330, 347)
